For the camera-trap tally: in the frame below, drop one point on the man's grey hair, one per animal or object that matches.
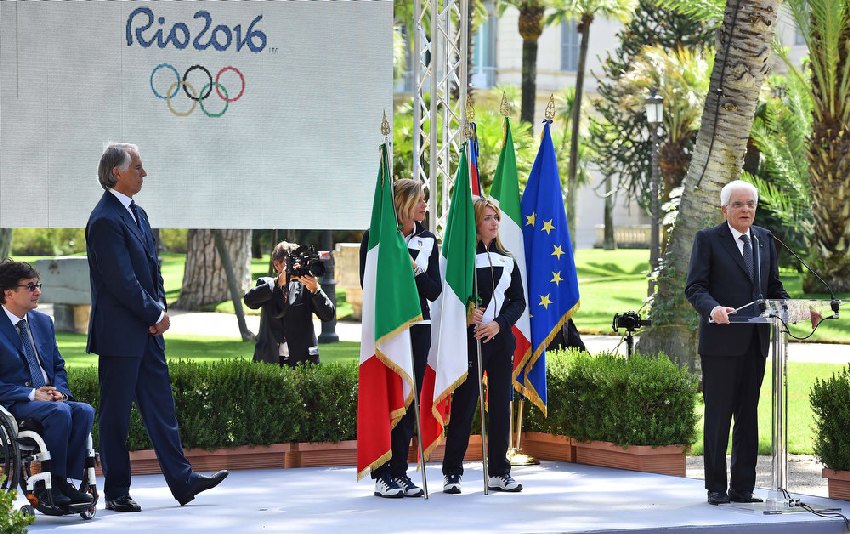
(726, 192)
(114, 155)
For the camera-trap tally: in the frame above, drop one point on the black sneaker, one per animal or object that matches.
(410, 489)
(451, 484)
(387, 487)
(503, 483)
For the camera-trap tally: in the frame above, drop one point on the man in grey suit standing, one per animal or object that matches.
(732, 265)
(128, 318)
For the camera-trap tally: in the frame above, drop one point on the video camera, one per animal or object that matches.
(310, 262)
(629, 321)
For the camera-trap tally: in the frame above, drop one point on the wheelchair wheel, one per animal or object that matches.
(88, 514)
(28, 510)
(10, 457)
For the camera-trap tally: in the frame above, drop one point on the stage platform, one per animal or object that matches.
(558, 497)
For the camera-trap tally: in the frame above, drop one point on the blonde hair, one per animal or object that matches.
(480, 205)
(406, 193)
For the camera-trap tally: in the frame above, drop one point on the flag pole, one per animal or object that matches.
(480, 367)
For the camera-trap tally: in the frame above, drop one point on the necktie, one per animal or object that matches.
(748, 255)
(135, 209)
(32, 360)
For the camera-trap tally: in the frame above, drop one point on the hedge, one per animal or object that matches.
(227, 403)
(641, 400)
(830, 400)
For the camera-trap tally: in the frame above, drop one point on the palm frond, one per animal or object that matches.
(708, 11)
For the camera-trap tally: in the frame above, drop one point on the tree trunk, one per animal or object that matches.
(232, 285)
(717, 160)
(204, 279)
(609, 242)
(530, 28)
(572, 182)
(5, 242)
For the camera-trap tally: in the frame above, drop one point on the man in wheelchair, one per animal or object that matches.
(34, 385)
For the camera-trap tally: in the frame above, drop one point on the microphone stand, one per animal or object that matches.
(834, 303)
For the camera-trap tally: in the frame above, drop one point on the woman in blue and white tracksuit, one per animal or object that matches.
(499, 286)
(391, 478)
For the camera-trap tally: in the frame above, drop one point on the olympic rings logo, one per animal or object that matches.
(196, 97)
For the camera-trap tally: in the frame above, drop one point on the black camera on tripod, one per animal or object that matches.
(310, 262)
(629, 321)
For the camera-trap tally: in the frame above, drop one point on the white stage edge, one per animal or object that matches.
(558, 497)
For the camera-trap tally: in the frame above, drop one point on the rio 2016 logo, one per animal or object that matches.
(197, 97)
(179, 36)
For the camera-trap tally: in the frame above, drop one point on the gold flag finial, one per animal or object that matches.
(385, 125)
(505, 106)
(550, 108)
(470, 109)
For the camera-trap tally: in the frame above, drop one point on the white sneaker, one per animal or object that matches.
(408, 487)
(387, 487)
(504, 483)
(451, 484)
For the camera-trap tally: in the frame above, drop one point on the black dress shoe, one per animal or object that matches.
(742, 496)
(124, 503)
(201, 483)
(53, 495)
(717, 497)
(76, 496)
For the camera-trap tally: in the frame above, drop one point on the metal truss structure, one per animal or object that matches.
(440, 81)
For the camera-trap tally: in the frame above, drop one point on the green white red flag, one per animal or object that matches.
(447, 360)
(505, 190)
(390, 305)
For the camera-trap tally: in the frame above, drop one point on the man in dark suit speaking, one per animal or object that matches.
(732, 265)
(128, 318)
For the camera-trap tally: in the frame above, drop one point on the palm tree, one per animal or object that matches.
(740, 66)
(584, 11)
(825, 26)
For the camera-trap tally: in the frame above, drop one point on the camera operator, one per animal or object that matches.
(288, 302)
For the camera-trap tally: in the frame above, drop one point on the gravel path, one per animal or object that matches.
(804, 473)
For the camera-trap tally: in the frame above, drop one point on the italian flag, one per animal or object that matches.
(447, 360)
(505, 189)
(385, 385)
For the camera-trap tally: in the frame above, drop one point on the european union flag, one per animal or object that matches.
(552, 281)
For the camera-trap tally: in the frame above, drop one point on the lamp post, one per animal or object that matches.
(654, 117)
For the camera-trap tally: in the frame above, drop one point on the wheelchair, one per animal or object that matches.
(20, 446)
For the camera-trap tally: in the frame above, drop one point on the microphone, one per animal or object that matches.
(833, 301)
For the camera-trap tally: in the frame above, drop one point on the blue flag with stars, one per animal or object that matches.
(552, 281)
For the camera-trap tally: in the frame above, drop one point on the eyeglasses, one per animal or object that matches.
(738, 205)
(32, 286)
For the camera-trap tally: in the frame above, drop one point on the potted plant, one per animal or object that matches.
(830, 400)
(635, 413)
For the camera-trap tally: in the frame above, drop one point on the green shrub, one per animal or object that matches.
(48, 241)
(174, 239)
(830, 400)
(12, 521)
(636, 401)
(329, 401)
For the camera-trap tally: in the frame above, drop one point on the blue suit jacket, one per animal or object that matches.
(14, 373)
(717, 277)
(126, 284)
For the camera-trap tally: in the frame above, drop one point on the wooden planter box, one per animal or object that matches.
(543, 446)
(838, 483)
(144, 462)
(322, 454)
(666, 460)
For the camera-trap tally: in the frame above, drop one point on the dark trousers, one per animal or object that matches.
(67, 426)
(497, 358)
(420, 339)
(731, 387)
(145, 380)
